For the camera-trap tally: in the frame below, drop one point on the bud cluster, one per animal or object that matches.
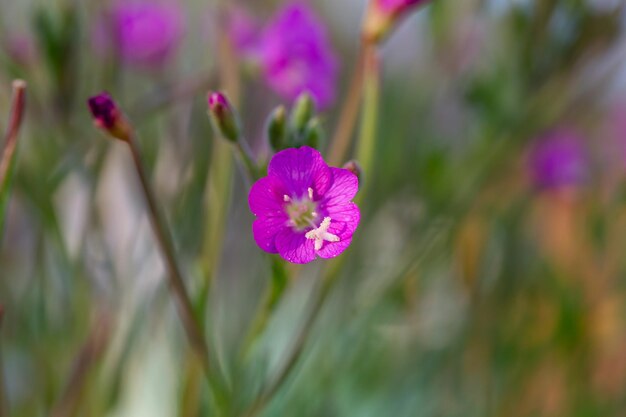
(300, 128)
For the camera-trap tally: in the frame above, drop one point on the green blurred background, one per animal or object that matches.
(467, 291)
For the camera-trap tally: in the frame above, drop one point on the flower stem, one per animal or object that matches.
(247, 160)
(290, 362)
(369, 120)
(273, 295)
(349, 112)
(4, 407)
(89, 354)
(219, 183)
(176, 282)
(7, 153)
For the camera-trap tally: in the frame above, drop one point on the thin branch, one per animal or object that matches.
(165, 243)
(349, 113)
(88, 356)
(4, 406)
(298, 347)
(15, 121)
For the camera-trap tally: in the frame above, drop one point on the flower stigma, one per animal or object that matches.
(321, 234)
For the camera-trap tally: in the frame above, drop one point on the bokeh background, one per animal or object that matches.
(487, 277)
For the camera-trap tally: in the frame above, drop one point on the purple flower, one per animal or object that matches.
(303, 207)
(243, 30)
(144, 33)
(558, 159)
(296, 55)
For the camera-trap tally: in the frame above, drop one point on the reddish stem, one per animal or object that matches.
(15, 121)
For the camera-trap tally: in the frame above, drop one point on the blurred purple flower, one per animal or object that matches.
(558, 159)
(143, 33)
(297, 56)
(303, 207)
(243, 30)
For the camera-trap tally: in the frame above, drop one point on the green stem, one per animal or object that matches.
(164, 240)
(218, 193)
(247, 159)
(273, 295)
(4, 407)
(349, 113)
(366, 146)
(328, 281)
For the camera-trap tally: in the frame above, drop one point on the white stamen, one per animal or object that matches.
(286, 198)
(310, 190)
(320, 235)
(314, 214)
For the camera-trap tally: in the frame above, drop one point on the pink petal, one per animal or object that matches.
(332, 249)
(266, 197)
(344, 220)
(265, 230)
(295, 247)
(343, 189)
(301, 168)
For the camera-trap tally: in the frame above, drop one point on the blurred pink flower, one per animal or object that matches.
(296, 55)
(21, 49)
(558, 159)
(143, 33)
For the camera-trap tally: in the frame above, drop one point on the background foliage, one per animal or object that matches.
(468, 290)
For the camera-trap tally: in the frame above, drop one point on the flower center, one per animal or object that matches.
(301, 212)
(303, 215)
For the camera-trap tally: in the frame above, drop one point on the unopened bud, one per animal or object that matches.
(383, 15)
(314, 133)
(302, 111)
(108, 117)
(354, 167)
(277, 128)
(224, 117)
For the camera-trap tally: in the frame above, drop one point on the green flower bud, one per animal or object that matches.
(224, 117)
(277, 128)
(302, 111)
(314, 133)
